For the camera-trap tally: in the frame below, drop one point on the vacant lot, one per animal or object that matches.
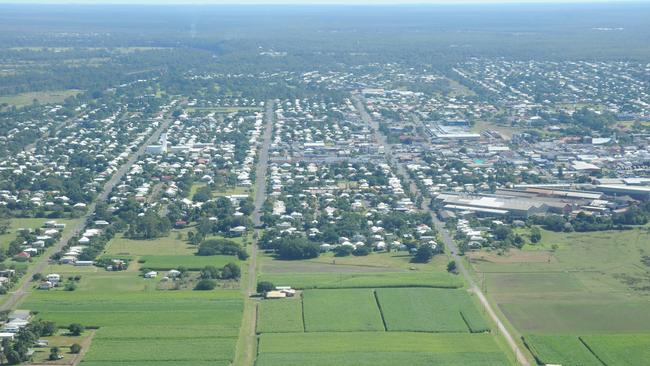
(280, 316)
(341, 310)
(428, 310)
(379, 348)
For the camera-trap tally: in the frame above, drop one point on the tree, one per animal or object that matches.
(343, 250)
(76, 329)
(75, 348)
(297, 248)
(205, 285)
(209, 272)
(54, 354)
(48, 329)
(264, 287)
(535, 235)
(231, 271)
(362, 250)
(451, 267)
(423, 254)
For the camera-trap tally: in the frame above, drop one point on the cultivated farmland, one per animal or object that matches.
(429, 310)
(561, 350)
(280, 316)
(379, 348)
(620, 349)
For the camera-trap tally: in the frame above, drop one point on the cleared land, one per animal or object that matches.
(279, 316)
(379, 348)
(341, 310)
(429, 310)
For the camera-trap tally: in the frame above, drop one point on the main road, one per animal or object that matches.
(17, 295)
(446, 237)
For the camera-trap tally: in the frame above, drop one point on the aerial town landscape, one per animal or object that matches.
(250, 195)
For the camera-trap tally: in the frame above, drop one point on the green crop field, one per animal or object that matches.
(140, 325)
(279, 316)
(428, 310)
(560, 350)
(363, 280)
(620, 349)
(379, 348)
(191, 262)
(341, 310)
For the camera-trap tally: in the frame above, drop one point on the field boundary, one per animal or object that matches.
(302, 313)
(381, 312)
(584, 343)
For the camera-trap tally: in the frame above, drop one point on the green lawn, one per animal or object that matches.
(428, 310)
(341, 310)
(280, 316)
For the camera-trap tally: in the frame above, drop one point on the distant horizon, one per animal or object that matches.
(318, 2)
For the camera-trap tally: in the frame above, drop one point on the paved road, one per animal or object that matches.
(247, 357)
(446, 237)
(15, 296)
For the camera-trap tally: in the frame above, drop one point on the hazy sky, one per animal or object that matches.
(374, 2)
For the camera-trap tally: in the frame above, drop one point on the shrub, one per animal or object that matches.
(75, 348)
(76, 329)
(205, 285)
(264, 287)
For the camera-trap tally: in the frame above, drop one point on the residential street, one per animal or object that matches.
(16, 296)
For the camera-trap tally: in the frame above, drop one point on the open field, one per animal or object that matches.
(169, 245)
(191, 262)
(429, 310)
(280, 316)
(46, 97)
(593, 284)
(378, 348)
(341, 310)
(361, 280)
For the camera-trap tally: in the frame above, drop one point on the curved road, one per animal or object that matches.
(448, 241)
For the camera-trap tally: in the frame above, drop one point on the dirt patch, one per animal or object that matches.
(512, 256)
